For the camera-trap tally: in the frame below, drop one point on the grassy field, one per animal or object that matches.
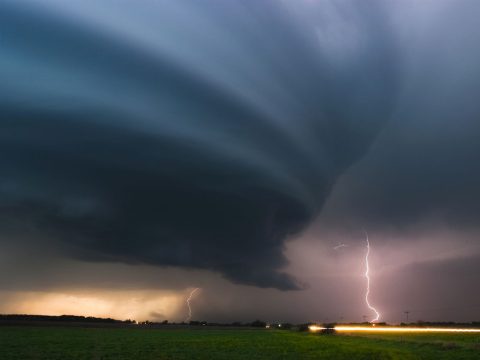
(66, 343)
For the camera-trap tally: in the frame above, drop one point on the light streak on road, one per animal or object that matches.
(394, 329)
(403, 329)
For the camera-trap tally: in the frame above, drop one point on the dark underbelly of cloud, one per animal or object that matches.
(174, 135)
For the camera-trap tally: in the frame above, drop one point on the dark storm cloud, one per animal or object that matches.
(174, 135)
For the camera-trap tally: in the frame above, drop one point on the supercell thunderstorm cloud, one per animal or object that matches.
(201, 144)
(204, 135)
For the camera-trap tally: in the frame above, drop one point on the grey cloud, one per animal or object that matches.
(433, 290)
(425, 164)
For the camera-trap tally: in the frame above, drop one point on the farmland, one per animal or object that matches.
(54, 342)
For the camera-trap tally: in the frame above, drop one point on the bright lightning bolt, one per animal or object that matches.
(188, 304)
(367, 269)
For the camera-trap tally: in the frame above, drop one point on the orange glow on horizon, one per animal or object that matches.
(136, 305)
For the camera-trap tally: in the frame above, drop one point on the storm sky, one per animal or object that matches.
(150, 147)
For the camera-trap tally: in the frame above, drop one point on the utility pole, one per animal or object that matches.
(406, 313)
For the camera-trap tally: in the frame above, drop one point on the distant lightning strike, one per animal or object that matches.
(339, 246)
(189, 317)
(367, 276)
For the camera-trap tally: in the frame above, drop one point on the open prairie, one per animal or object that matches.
(21, 342)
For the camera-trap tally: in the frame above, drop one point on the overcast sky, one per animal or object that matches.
(148, 148)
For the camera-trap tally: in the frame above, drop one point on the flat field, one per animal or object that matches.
(48, 342)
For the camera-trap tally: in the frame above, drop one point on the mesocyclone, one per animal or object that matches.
(177, 135)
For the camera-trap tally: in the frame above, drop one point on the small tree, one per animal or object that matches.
(258, 323)
(304, 327)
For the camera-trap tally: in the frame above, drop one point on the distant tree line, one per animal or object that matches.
(256, 324)
(445, 324)
(63, 318)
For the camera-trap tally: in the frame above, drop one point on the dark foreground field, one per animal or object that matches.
(21, 342)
